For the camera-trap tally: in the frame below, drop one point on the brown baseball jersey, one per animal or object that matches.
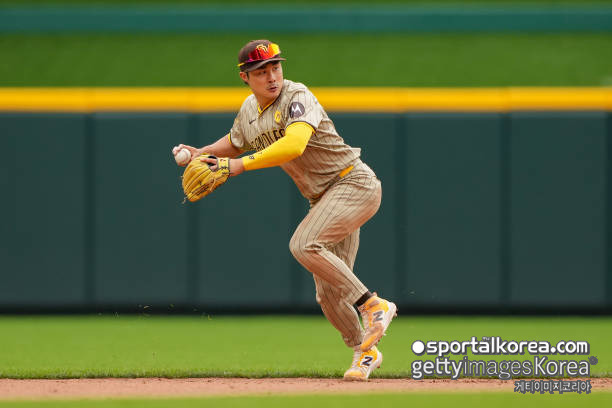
(343, 192)
(326, 154)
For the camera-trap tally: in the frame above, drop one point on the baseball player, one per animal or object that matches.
(283, 124)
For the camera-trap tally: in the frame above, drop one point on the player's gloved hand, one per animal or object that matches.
(235, 165)
(199, 179)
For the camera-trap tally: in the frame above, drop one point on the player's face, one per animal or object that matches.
(265, 82)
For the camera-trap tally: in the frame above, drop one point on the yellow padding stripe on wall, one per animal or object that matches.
(333, 99)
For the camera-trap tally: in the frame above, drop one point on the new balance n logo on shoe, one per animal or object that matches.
(376, 314)
(364, 362)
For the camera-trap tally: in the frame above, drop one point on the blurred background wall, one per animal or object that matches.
(498, 207)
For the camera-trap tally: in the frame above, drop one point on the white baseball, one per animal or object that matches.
(182, 157)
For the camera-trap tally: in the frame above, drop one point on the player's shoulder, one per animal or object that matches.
(249, 104)
(249, 101)
(292, 87)
(297, 91)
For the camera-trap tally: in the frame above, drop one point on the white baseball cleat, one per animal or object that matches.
(376, 314)
(364, 362)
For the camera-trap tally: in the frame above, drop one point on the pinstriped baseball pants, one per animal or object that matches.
(326, 243)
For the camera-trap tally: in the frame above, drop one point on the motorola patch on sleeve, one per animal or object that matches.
(296, 110)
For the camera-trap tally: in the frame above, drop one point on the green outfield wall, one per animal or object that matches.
(493, 211)
(383, 18)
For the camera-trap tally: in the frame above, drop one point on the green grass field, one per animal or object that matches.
(104, 346)
(271, 346)
(443, 60)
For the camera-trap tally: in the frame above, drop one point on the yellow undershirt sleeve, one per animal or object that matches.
(283, 150)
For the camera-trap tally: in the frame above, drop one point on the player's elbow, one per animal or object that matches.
(297, 138)
(300, 146)
(294, 150)
(300, 149)
(297, 151)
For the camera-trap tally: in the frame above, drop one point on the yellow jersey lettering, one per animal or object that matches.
(266, 138)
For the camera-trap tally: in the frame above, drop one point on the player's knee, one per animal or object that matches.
(303, 250)
(296, 247)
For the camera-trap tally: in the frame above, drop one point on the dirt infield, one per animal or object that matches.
(164, 387)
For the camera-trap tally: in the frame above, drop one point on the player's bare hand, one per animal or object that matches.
(195, 152)
(235, 165)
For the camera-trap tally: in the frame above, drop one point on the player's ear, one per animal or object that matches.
(244, 76)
